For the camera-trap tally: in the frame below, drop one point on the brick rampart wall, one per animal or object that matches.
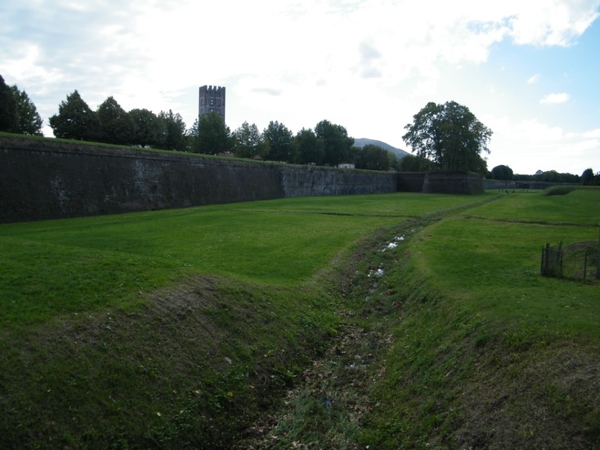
(48, 180)
(453, 183)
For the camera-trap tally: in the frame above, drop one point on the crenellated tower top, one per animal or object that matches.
(212, 98)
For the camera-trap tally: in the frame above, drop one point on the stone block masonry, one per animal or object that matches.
(453, 183)
(50, 179)
(46, 179)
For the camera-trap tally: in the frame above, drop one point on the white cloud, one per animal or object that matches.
(551, 22)
(594, 134)
(366, 64)
(534, 132)
(555, 99)
(529, 145)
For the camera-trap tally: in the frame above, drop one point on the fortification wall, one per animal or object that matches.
(49, 180)
(453, 183)
(411, 181)
(299, 181)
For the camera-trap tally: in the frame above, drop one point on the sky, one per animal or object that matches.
(527, 69)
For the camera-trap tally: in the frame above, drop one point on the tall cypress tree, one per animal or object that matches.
(28, 119)
(116, 126)
(8, 109)
(213, 136)
(75, 120)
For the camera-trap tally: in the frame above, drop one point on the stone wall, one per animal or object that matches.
(499, 184)
(48, 180)
(411, 181)
(453, 183)
(301, 181)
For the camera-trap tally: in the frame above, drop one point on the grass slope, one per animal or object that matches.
(453, 340)
(489, 354)
(186, 329)
(172, 329)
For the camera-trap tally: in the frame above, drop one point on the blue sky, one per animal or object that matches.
(529, 70)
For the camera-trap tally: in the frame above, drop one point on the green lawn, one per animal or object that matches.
(581, 206)
(495, 268)
(486, 350)
(148, 329)
(493, 262)
(68, 266)
(155, 328)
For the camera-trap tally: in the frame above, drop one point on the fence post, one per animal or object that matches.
(552, 261)
(544, 259)
(560, 260)
(598, 263)
(598, 258)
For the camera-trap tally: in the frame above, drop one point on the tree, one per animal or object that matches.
(280, 141)
(450, 136)
(116, 126)
(412, 163)
(8, 108)
(193, 137)
(28, 119)
(211, 135)
(309, 151)
(587, 177)
(75, 120)
(502, 172)
(552, 176)
(373, 157)
(175, 131)
(394, 161)
(248, 142)
(148, 129)
(335, 143)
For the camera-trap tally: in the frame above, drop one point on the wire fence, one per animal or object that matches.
(579, 261)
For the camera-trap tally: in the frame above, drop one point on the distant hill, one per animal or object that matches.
(364, 141)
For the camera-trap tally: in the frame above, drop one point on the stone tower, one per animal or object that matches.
(212, 98)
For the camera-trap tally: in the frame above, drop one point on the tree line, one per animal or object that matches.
(327, 144)
(505, 173)
(18, 113)
(442, 137)
(449, 137)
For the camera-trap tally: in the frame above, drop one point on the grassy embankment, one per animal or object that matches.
(455, 341)
(460, 343)
(172, 329)
(487, 353)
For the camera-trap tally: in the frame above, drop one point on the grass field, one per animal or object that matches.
(501, 276)
(490, 354)
(68, 266)
(493, 262)
(178, 329)
(90, 306)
